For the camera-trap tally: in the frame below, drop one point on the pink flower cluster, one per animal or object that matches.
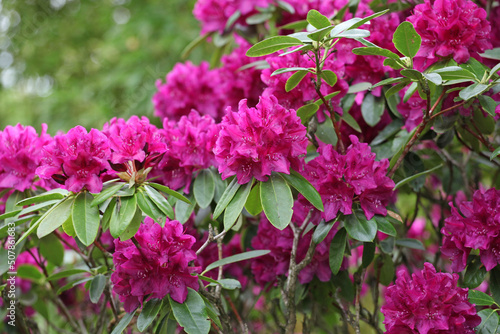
(340, 178)
(76, 159)
(477, 227)
(159, 267)
(191, 141)
(455, 28)
(428, 303)
(254, 142)
(20, 155)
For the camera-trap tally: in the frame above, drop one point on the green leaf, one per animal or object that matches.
(489, 105)
(183, 211)
(330, 77)
(227, 283)
(337, 247)
(387, 245)
(294, 80)
(297, 25)
(472, 91)
(107, 193)
(47, 196)
(317, 20)
(495, 153)
(236, 258)
(388, 81)
(122, 215)
(272, 45)
(322, 231)
(169, 191)
(412, 74)
(30, 272)
(354, 33)
(326, 132)
(415, 176)
(393, 64)
(10, 214)
(387, 270)
(434, 78)
(491, 54)
(328, 97)
(304, 187)
(149, 208)
(359, 87)
(133, 227)
(73, 284)
(53, 218)
(372, 109)
(376, 51)
(160, 201)
(306, 112)
(368, 254)
(204, 188)
(236, 205)
(389, 131)
(384, 226)
(277, 201)
(66, 273)
(359, 228)
(226, 197)
(212, 313)
(290, 69)
(406, 39)
(197, 41)
(192, 314)
(318, 35)
(489, 322)
(85, 218)
(410, 243)
(455, 73)
(148, 313)
(253, 204)
(346, 117)
(480, 298)
(258, 18)
(495, 284)
(395, 89)
(123, 324)
(97, 288)
(475, 274)
(52, 250)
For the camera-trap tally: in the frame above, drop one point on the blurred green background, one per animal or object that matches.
(70, 62)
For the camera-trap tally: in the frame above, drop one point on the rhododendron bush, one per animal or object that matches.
(333, 169)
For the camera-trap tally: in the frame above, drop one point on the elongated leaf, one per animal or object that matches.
(346, 117)
(406, 39)
(489, 105)
(85, 218)
(434, 78)
(149, 207)
(236, 258)
(359, 228)
(384, 226)
(204, 188)
(304, 187)
(169, 191)
(396, 88)
(489, 322)
(54, 217)
(227, 283)
(133, 227)
(480, 298)
(73, 284)
(183, 211)
(258, 18)
(289, 69)
(368, 254)
(236, 205)
(30, 272)
(326, 132)
(160, 201)
(294, 80)
(330, 77)
(107, 193)
(359, 87)
(47, 196)
(149, 313)
(10, 214)
(192, 314)
(337, 248)
(253, 204)
(272, 45)
(474, 274)
(455, 73)
(367, 19)
(52, 250)
(388, 81)
(415, 176)
(410, 243)
(66, 273)
(306, 112)
(226, 197)
(328, 97)
(472, 91)
(96, 288)
(318, 35)
(372, 109)
(212, 313)
(122, 215)
(322, 231)
(354, 33)
(123, 324)
(412, 74)
(277, 201)
(495, 153)
(317, 20)
(375, 51)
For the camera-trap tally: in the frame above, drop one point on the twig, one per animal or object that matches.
(211, 238)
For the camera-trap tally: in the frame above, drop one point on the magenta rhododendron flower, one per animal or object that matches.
(214, 14)
(189, 87)
(428, 303)
(455, 28)
(76, 159)
(191, 141)
(339, 178)
(159, 267)
(254, 142)
(475, 226)
(20, 154)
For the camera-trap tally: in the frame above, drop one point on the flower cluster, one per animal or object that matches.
(339, 178)
(191, 141)
(254, 142)
(455, 28)
(76, 159)
(20, 155)
(478, 227)
(189, 87)
(428, 303)
(159, 267)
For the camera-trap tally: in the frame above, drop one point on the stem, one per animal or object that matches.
(359, 278)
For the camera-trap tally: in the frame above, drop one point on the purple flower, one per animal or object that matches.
(477, 227)
(76, 159)
(428, 303)
(189, 87)
(20, 155)
(191, 141)
(159, 267)
(254, 142)
(455, 28)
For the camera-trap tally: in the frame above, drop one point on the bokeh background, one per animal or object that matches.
(69, 62)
